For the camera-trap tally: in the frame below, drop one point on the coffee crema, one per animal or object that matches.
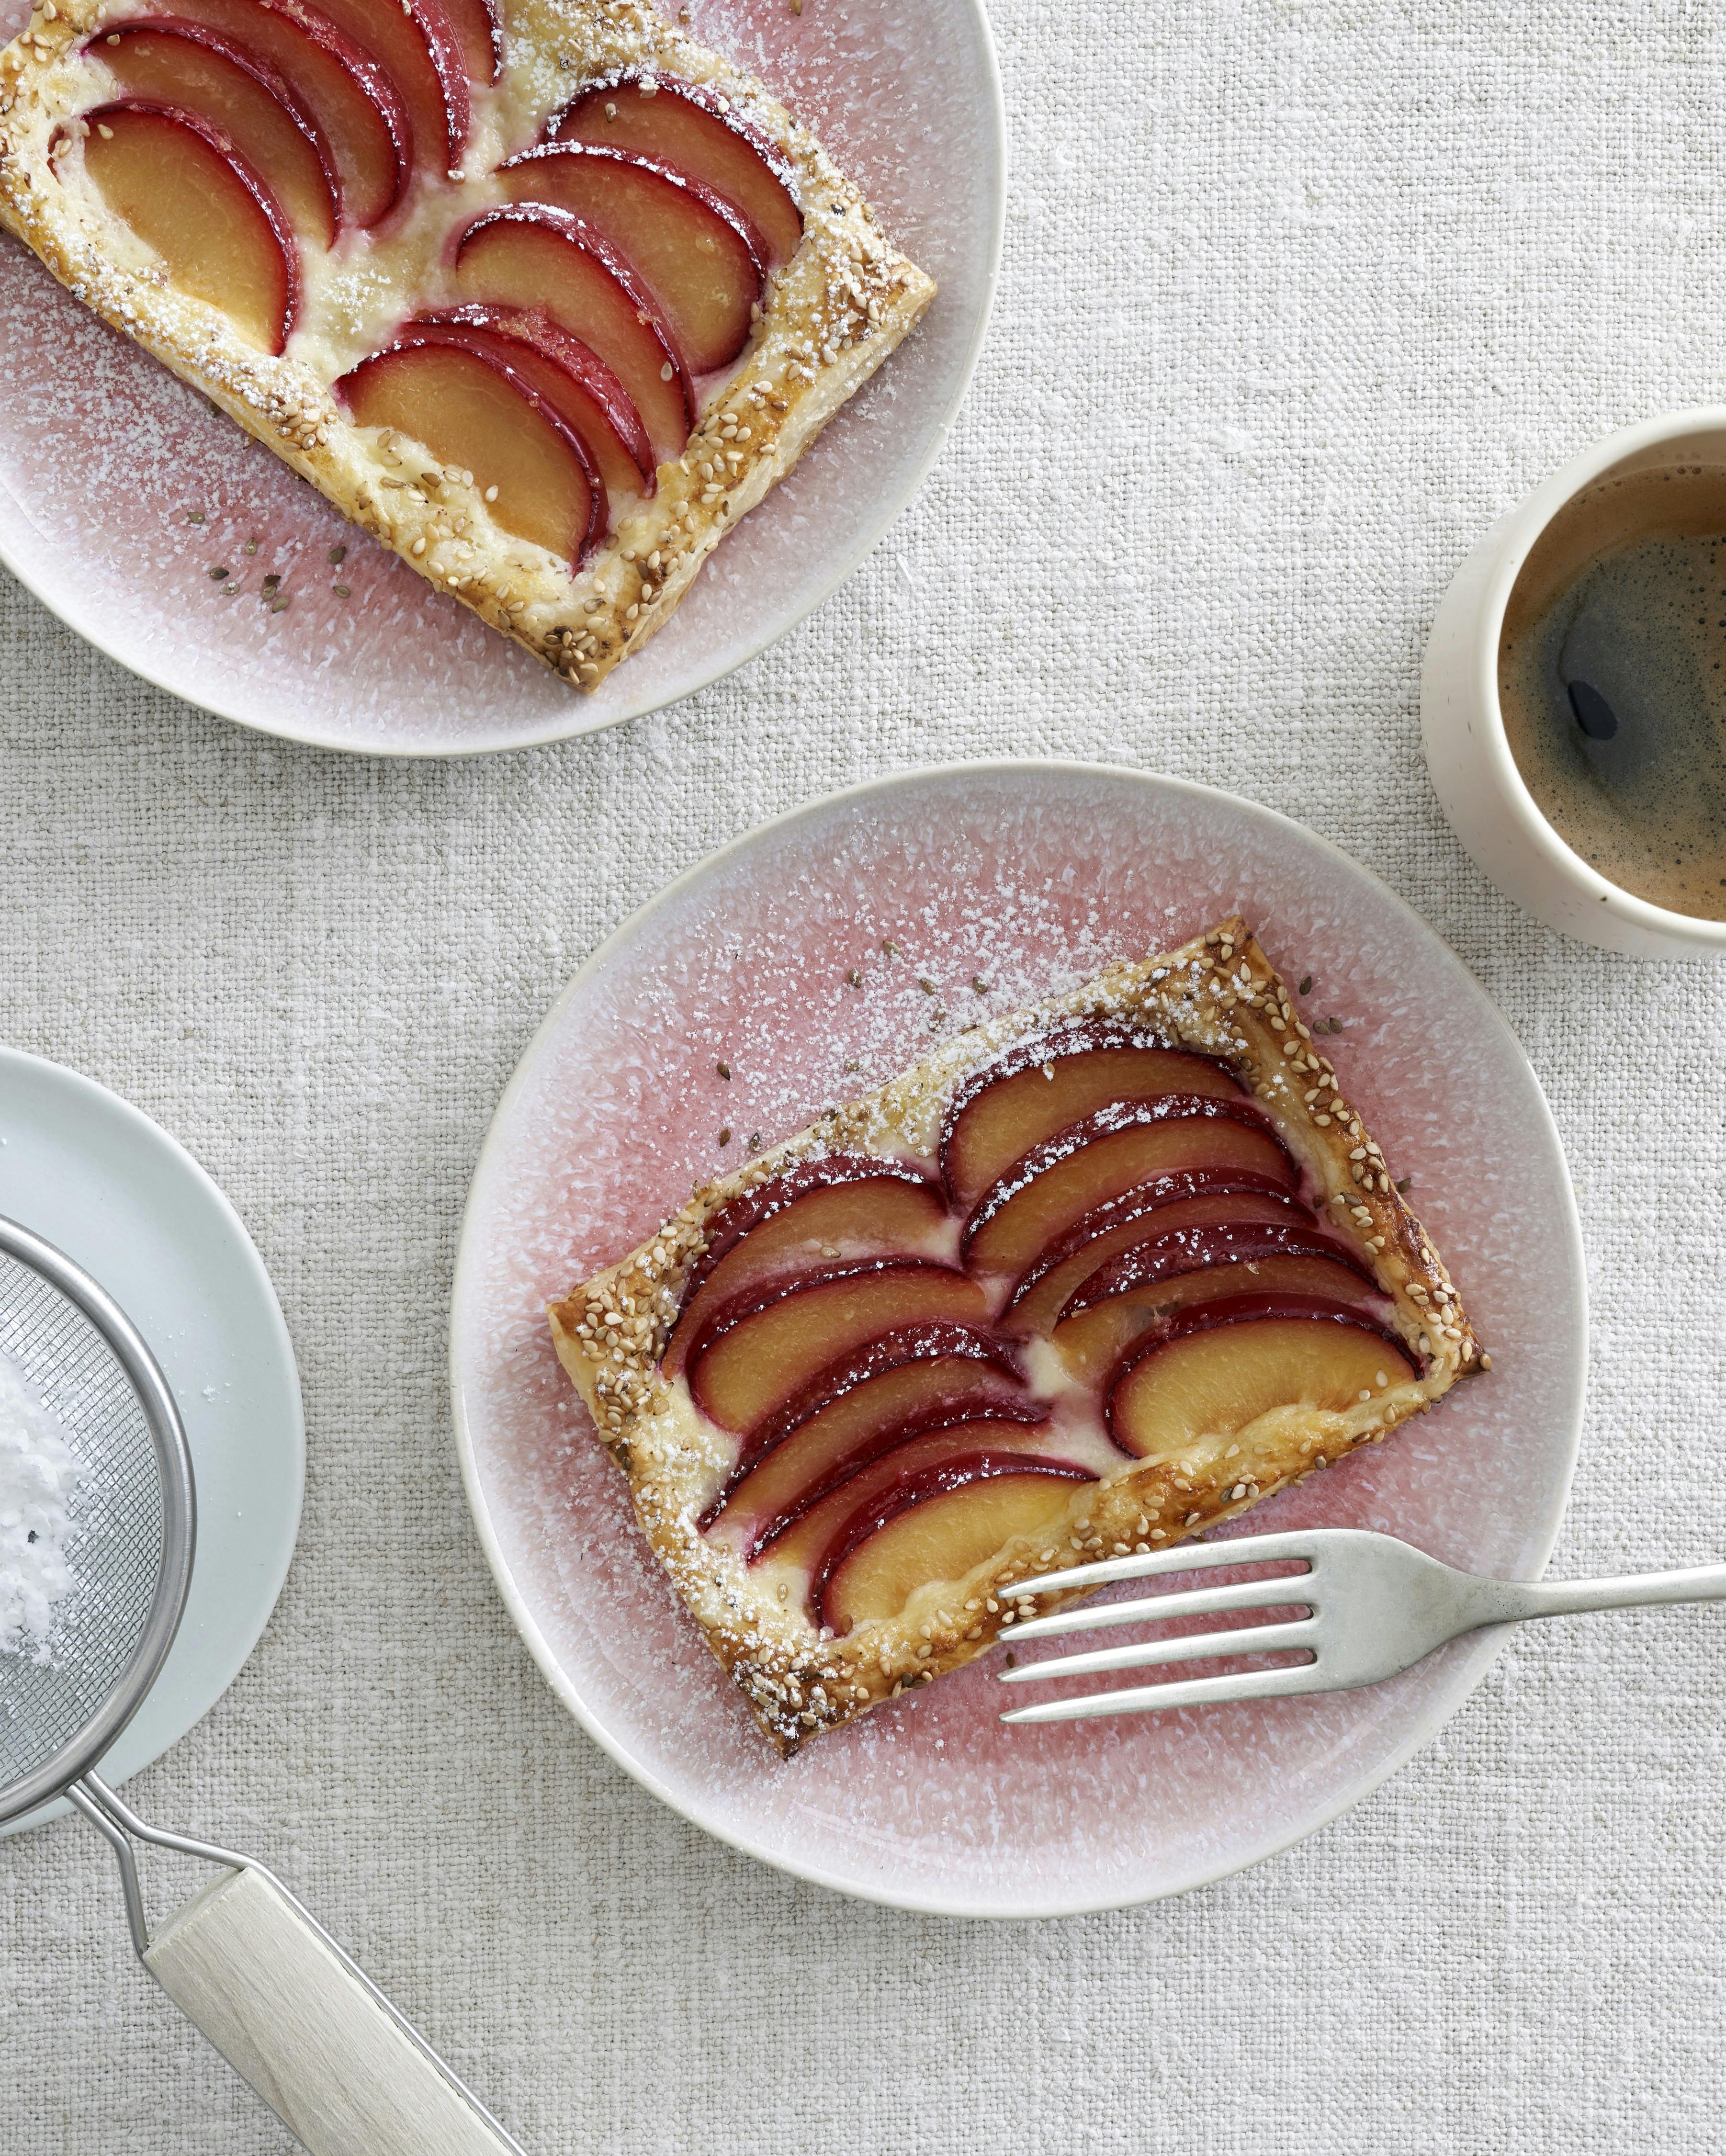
(1612, 682)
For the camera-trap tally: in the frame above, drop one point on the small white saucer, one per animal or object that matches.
(98, 1180)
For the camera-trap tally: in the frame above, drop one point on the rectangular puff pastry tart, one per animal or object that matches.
(1086, 1280)
(540, 292)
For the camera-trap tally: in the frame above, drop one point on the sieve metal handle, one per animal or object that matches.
(291, 2011)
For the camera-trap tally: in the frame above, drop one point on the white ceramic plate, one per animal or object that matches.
(1029, 876)
(98, 1180)
(94, 508)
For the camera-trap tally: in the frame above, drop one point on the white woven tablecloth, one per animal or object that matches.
(1297, 297)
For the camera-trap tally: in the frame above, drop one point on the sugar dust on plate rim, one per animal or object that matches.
(875, 482)
(96, 1177)
(1284, 849)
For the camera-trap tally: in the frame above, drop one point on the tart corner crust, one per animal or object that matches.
(831, 315)
(1219, 995)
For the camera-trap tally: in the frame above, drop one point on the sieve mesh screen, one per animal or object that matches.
(116, 1549)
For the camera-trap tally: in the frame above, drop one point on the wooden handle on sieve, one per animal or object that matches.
(281, 2005)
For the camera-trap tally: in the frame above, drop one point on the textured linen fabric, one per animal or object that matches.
(1296, 299)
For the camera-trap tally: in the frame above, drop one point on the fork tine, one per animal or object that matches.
(1184, 1557)
(1191, 1647)
(1193, 1692)
(1295, 1589)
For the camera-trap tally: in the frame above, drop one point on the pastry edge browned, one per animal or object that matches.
(1220, 990)
(833, 314)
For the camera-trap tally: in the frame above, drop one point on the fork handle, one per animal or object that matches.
(1512, 1601)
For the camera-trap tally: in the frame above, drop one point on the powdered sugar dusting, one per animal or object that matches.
(38, 1477)
(1024, 883)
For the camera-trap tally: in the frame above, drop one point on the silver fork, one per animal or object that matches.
(1374, 1607)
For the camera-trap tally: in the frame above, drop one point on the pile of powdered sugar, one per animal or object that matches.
(37, 1475)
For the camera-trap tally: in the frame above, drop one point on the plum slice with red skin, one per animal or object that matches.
(356, 103)
(683, 122)
(1193, 1198)
(1247, 1309)
(1093, 1339)
(474, 411)
(478, 30)
(802, 1526)
(914, 1374)
(844, 1207)
(846, 1377)
(166, 60)
(1213, 1368)
(760, 1350)
(964, 1521)
(1094, 1343)
(1044, 1085)
(178, 182)
(532, 256)
(416, 44)
(739, 1215)
(698, 256)
(796, 1541)
(574, 380)
(1104, 1154)
(1192, 1250)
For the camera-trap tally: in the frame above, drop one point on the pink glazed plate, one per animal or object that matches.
(95, 509)
(1030, 876)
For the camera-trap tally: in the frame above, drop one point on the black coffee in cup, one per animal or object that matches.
(1612, 682)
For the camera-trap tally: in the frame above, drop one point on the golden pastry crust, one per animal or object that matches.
(831, 315)
(1219, 995)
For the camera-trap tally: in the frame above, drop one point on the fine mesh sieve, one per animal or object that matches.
(130, 1550)
(249, 1963)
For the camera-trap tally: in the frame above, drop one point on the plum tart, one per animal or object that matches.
(541, 293)
(1088, 1280)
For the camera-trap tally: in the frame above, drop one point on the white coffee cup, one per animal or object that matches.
(1473, 771)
